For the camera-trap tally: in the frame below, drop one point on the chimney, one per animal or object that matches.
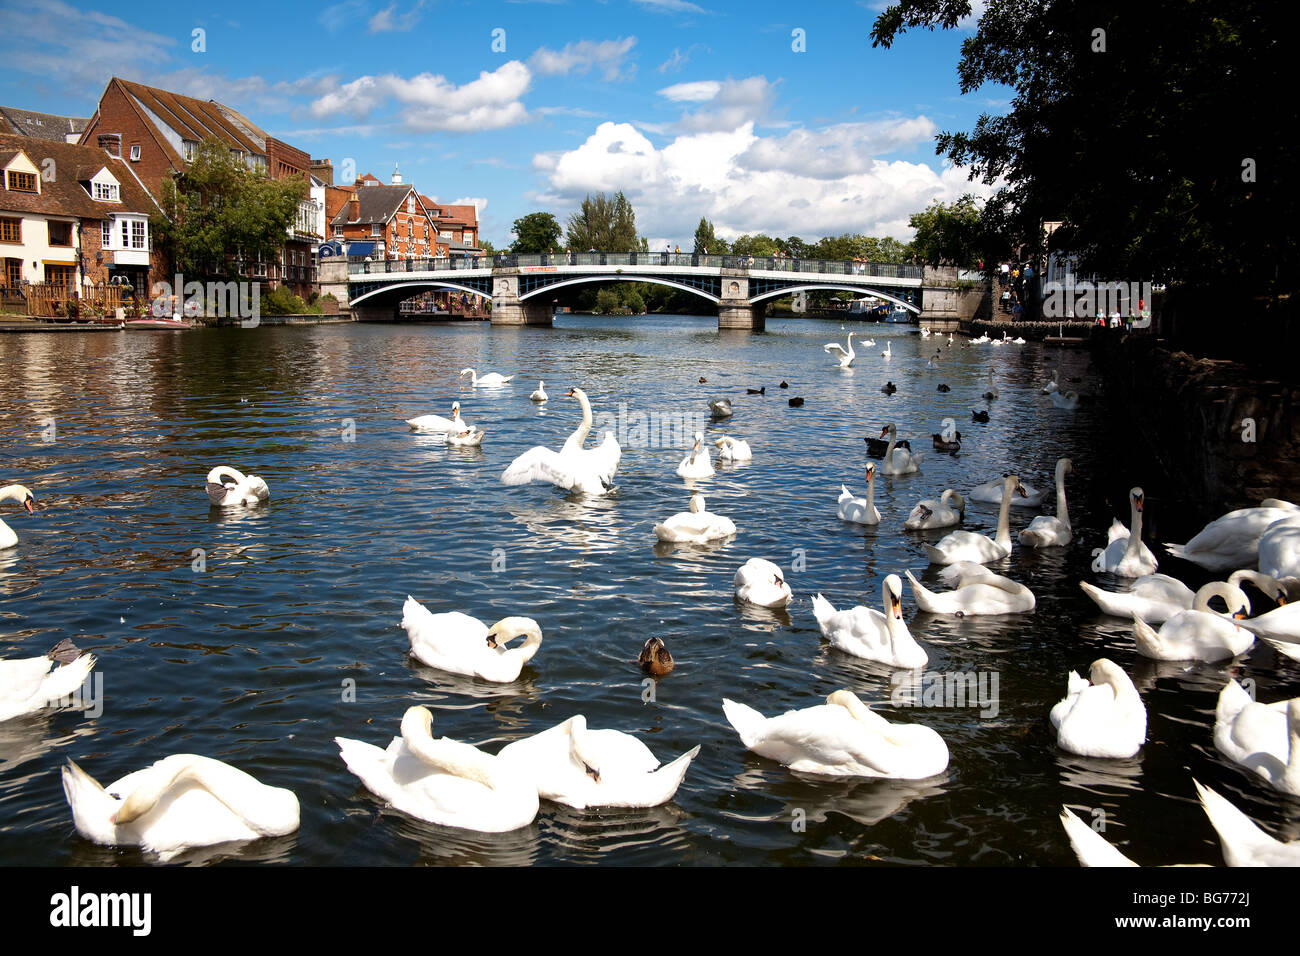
(111, 143)
(354, 208)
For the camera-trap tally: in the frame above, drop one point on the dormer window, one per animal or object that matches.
(188, 148)
(22, 182)
(105, 192)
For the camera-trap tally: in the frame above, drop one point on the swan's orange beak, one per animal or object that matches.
(569, 393)
(1239, 615)
(491, 641)
(1137, 501)
(884, 432)
(895, 605)
(30, 505)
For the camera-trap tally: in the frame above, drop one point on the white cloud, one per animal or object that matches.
(432, 102)
(724, 104)
(583, 56)
(837, 151)
(478, 202)
(696, 92)
(670, 6)
(388, 20)
(675, 62)
(705, 174)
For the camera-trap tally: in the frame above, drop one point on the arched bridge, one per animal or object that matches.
(523, 287)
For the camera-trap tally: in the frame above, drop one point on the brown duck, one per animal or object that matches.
(655, 659)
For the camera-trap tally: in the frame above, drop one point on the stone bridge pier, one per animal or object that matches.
(508, 309)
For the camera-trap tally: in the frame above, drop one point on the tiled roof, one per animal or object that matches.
(196, 119)
(40, 125)
(64, 195)
(376, 203)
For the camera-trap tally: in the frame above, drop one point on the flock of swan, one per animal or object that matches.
(187, 800)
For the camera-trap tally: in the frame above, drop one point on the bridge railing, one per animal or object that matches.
(670, 260)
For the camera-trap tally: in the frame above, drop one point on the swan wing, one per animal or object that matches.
(834, 347)
(453, 641)
(1089, 846)
(604, 458)
(541, 464)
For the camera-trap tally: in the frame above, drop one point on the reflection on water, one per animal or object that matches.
(287, 632)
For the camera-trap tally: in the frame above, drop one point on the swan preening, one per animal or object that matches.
(869, 634)
(24, 497)
(846, 354)
(490, 380)
(842, 737)
(539, 395)
(1200, 633)
(929, 513)
(1282, 624)
(1154, 597)
(30, 684)
(733, 449)
(696, 525)
(241, 489)
(589, 471)
(471, 437)
(439, 425)
(1101, 717)
(1125, 554)
(182, 801)
(696, 464)
(1232, 541)
(860, 510)
(1046, 531)
(441, 780)
(1262, 738)
(581, 768)
(969, 546)
(761, 582)
(976, 590)
(897, 461)
(459, 644)
(721, 408)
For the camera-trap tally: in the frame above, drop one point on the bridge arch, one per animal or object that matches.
(419, 285)
(824, 286)
(620, 277)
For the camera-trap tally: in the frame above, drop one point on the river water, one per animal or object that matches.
(258, 636)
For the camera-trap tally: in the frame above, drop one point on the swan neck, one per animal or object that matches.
(585, 428)
(1003, 537)
(1135, 534)
(1062, 513)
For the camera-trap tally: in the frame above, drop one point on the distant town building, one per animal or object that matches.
(59, 129)
(386, 222)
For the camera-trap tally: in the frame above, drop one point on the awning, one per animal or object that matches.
(360, 248)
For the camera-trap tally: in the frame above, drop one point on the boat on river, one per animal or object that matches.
(150, 325)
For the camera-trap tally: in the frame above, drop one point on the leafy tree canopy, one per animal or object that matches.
(949, 234)
(604, 224)
(536, 232)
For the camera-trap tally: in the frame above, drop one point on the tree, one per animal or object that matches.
(705, 239)
(759, 246)
(536, 232)
(487, 247)
(603, 224)
(607, 301)
(219, 212)
(1153, 162)
(949, 234)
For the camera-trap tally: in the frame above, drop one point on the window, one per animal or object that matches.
(11, 230)
(14, 272)
(410, 205)
(126, 234)
(106, 192)
(135, 152)
(376, 230)
(106, 235)
(60, 233)
(60, 275)
(137, 234)
(22, 182)
(188, 146)
(338, 232)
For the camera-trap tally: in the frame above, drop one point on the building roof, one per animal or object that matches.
(40, 125)
(196, 119)
(64, 195)
(376, 204)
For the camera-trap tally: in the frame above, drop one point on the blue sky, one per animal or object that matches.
(692, 108)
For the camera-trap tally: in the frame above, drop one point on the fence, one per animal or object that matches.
(89, 303)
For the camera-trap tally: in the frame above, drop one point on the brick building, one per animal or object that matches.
(158, 132)
(393, 217)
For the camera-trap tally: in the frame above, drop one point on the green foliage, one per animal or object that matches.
(487, 247)
(949, 234)
(759, 246)
(282, 301)
(705, 239)
(605, 224)
(1131, 124)
(220, 211)
(607, 301)
(536, 232)
(633, 302)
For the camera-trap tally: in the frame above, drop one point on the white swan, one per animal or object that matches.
(1154, 597)
(539, 395)
(459, 644)
(1125, 554)
(1067, 400)
(869, 634)
(897, 461)
(1054, 384)
(437, 424)
(929, 513)
(1052, 531)
(28, 684)
(441, 780)
(889, 350)
(842, 737)
(1100, 717)
(1279, 550)
(581, 768)
(1199, 634)
(1244, 843)
(573, 468)
(733, 449)
(697, 463)
(992, 393)
(1089, 846)
(182, 801)
(969, 546)
(242, 489)
(977, 590)
(990, 493)
(696, 525)
(860, 510)
(24, 497)
(1264, 738)
(490, 380)
(846, 355)
(761, 582)
(471, 437)
(1231, 541)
